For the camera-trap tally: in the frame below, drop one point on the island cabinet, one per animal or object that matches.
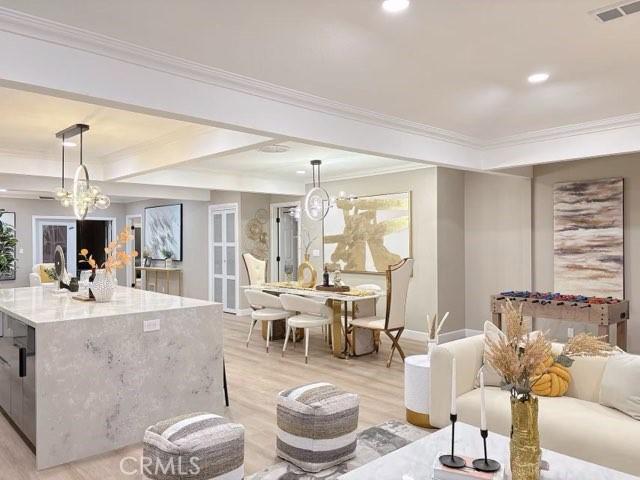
(17, 375)
(81, 378)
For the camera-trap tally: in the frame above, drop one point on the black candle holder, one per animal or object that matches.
(485, 464)
(452, 461)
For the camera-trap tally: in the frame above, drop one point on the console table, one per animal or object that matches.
(603, 315)
(168, 272)
(415, 461)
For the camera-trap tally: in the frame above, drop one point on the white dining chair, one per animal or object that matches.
(267, 308)
(311, 313)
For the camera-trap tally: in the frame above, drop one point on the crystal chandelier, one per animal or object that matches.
(84, 197)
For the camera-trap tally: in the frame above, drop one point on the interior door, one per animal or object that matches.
(52, 233)
(224, 255)
(287, 256)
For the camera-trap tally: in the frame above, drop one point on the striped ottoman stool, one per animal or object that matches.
(198, 446)
(317, 426)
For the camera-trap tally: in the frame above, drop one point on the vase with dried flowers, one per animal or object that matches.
(103, 285)
(520, 358)
(433, 330)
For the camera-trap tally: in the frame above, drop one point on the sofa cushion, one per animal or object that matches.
(620, 387)
(572, 426)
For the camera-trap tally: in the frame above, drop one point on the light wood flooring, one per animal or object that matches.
(255, 378)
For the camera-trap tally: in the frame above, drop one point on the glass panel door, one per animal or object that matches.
(224, 258)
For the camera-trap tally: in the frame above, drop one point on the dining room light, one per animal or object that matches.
(540, 77)
(395, 6)
(301, 172)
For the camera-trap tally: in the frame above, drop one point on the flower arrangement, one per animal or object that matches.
(117, 257)
(434, 327)
(166, 253)
(308, 241)
(521, 358)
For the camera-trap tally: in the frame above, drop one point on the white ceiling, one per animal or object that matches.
(459, 65)
(29, 122)
(336, 164)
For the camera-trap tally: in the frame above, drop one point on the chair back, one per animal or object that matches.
(296, 303)
(258, 299)
(398, 277)
(256, 269)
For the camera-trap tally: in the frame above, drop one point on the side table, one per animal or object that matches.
(417, 379)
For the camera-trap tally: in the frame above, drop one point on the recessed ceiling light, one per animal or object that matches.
(301, 172)
(394, 6)
(67, 143)
(3, 189)
(538, 77)
(274, 148)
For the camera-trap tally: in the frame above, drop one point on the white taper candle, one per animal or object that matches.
(483, 411)
(454, 410)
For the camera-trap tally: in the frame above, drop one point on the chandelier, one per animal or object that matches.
(84, 197)
(317, 201)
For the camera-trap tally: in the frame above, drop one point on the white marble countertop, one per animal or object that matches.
(415, 461)
(39, 305)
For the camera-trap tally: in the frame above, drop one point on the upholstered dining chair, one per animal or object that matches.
(267, 308)
(392, 324)
(256, 269)
(311, 313)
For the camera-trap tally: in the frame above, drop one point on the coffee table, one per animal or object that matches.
(415, 461)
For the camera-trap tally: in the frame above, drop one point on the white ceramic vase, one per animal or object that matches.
(431, 343)
(103, 286)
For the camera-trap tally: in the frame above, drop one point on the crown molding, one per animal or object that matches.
(565, 131)
(38, 28)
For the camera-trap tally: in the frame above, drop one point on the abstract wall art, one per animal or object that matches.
(589, 237)
(367, 234)
(163, 231)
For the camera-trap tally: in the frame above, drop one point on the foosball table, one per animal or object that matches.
(601, 312)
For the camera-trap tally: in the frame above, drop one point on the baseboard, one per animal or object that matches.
(444, 337)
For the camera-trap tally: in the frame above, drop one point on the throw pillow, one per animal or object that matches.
(491, 377)
(554, 379)
(44, 274)
(620, 387)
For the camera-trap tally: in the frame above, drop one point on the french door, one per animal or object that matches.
(223, 251)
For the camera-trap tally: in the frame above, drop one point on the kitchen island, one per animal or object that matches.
(80, 378)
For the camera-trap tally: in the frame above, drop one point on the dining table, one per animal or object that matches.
(334, 300)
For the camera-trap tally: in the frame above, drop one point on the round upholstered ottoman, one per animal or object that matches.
(198, 446)
(317, 426)
(417, 377)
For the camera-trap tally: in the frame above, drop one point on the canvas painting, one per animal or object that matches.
(589, 237)
(163, 231)
(8, 246)
(367, 234)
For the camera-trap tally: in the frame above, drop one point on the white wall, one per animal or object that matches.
(497, 240)
(25, 210)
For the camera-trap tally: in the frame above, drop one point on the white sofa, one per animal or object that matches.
(576, 424)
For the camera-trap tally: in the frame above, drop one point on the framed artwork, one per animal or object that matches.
(163, 231)
(588, 237)
(367, 234)
(8, 241)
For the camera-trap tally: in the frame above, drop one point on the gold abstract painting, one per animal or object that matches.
(589, 238)
(367, 234)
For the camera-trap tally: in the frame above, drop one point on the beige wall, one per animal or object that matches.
(25, 210)
(627, 166)
(497, 240)
(450, 248)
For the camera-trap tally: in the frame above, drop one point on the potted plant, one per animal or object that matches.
(8, 242)
(103, 285)
(167, 254)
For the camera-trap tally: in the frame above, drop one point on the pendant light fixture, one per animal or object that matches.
(84, 197)
(317, 201)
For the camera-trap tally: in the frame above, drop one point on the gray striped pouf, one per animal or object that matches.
(198, 446)
(317, 426)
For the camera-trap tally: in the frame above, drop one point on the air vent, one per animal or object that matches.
(616, 10)
(42, 197)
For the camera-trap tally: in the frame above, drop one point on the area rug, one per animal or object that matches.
(373, 443)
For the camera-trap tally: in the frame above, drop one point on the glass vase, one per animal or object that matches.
(525, 439)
